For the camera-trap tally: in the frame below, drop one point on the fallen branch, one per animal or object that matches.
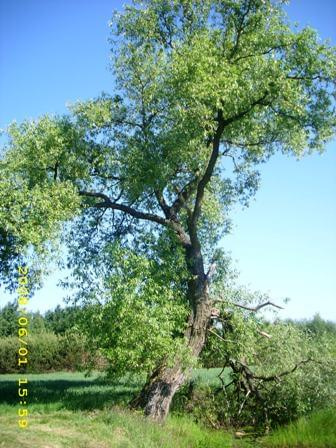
(244, 401)
(284, 373)
(222, 339)
(263, 333)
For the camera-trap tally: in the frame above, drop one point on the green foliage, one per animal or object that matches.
(60, 320)
(8, 320)
(316, 326)
(36, 323)
(9, 259)
(195, 59)
(310, 387)
(290, 372)
(317, 430)
(8, 349)
(205, 92)
(44, 353)
(57, 321)
(35, 198)
(140, 317)
(73, 352)
(47, 352)
(177, 65)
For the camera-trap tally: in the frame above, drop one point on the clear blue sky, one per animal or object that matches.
(55, 52)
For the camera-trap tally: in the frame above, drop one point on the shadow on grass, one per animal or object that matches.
(71, 394)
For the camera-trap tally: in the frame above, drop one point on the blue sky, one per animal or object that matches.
(55, 52)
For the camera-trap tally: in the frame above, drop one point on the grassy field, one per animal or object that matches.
(317, 431)
(69, 410)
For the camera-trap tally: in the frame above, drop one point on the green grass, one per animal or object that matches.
(210, 376)
(70, 391)
(70, 410)
(315, 431)
(115, 428)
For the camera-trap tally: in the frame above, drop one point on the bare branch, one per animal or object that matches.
(244, 401)
(258, 307)
(222, 339)
(108, 203)
(284, 373)
(233, 160)
(211, 271)
(263, 333)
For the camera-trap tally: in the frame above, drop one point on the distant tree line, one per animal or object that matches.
(55, 341)
(316, 325)
(61, 320)
(57, 321)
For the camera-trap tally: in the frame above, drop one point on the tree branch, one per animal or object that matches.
(264, 334)
(307, 78)
(240, 29)
(222, 123)
(164, 206)
(284, 373)
(183, 195)
(108, 203)
(211, 165)
(263, 53)
(211, 270)
(258, 307)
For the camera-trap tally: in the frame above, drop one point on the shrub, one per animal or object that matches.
(47, 352)
(43, 353)
(273, 380)
(8, 354)
(73, 350)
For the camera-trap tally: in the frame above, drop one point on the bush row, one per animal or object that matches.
(46, 352)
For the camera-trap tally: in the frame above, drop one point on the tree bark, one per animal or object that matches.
(156, 396)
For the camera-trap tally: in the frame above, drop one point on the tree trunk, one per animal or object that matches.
(156, 396)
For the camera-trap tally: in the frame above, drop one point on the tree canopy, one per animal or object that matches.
(141, 181)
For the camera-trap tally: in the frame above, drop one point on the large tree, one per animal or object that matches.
(204, 92)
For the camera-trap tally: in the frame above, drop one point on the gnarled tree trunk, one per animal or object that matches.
(156, 396)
